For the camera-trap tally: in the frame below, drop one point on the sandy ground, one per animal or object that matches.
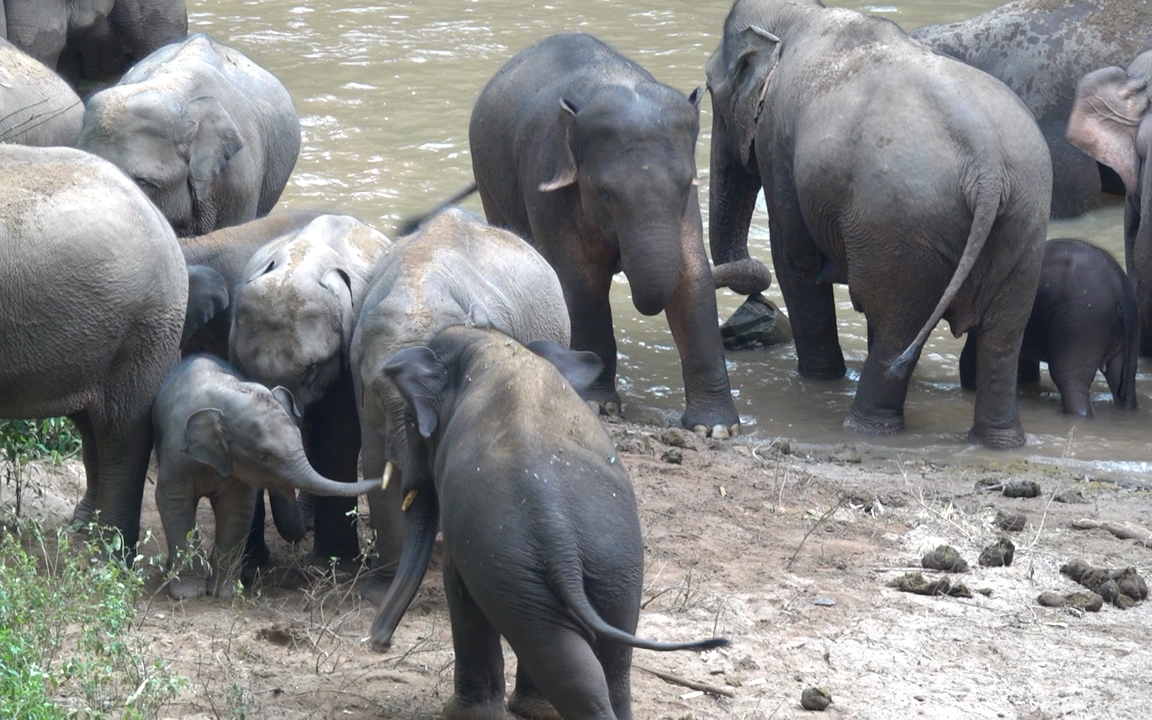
(783, 548)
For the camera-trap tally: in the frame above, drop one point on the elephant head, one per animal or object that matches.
(630, 154)
(1111, 121)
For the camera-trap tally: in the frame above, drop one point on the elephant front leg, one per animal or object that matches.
(176, 499)
(479, 670)
(586, 292)
(332, 445)
(234, 509)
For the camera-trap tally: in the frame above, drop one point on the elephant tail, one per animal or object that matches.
(412, 224)
(987, 207)
(569, 587)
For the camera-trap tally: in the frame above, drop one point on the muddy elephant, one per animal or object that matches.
(294, 313)
(221, 437)
(210, 136)
(1112, 122)
(36, 106)
(583, 153)
(1041, 49)
(93, 290)
(542, 541)
(879, 160)
(455, 269)
(1084, 319)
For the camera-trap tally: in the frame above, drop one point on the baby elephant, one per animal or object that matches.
(542, 540)
(222, 437)
(1085, 319)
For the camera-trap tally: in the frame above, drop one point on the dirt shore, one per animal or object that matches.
(785, 549)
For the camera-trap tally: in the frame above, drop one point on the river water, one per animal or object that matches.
(385, 91)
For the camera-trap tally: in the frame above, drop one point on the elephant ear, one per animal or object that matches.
(478, 316)
(1105, 119)
(565, 173)
(206, 440)
(421, 378)
(579, 367)
(284, 396)
(739, 79)
(339, 282)
(207, 296)
(215, 139)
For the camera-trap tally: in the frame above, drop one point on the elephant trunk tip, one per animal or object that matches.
(900, 366)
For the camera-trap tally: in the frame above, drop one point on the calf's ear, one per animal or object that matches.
(579, 367)
(420, 377)
(206, 440)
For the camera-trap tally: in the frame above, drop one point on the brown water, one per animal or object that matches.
(385, 91)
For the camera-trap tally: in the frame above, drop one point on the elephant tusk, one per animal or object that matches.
(408, 500)
(386, 476)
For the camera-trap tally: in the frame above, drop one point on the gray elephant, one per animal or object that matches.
(919, 181)
(456, 269)
(542, 540)
(294, 313)
(209, 135)
(581, 152)
(36, 106)
(1112, 121)
(220, 437)
(1041, 49)
(93, 290)
(1084, 319)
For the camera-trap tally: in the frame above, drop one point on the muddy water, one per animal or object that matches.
(385, 91)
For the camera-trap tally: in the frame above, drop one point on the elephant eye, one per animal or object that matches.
(311, 372)
(145, 184)
(266, 458)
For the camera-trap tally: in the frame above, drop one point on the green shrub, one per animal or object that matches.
(24, 440)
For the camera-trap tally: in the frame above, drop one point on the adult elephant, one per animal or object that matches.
(920, 181)
(580, 151)
(92, 300)
(1112, 121)
(1041, 49)
(209, 135)
(294, 313)
(36, 106)
(455, 270)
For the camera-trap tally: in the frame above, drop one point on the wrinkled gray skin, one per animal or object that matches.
(93, 39)
(581, 152)
(1084, 319)
(294, 313)
(542, 542)
(93, 291)
(220, 437)
(1112, 121)
(455, 270)
(1041, 49)
(227, 252)
(208, 134)
(879, 160)
(36, 106)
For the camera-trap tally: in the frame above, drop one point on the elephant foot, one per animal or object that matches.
(607, 408)
(873, 424)
(187, 588)
(83, 515)
(998, 438)
(720, 432)
(456, 709)
(531, 707)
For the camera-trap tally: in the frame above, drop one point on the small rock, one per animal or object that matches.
(673, 455)
(814, 698)
(676, 437)
(1088, 601)
(824, 602)
(1051, 599)
(944, 557)
(1021, 489)
(1011, 522)
(1072, 496)
(758, 323)
(998, 554)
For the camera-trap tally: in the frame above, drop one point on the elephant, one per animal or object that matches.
(455, 269)
(294, 313)
(36, 106)
(584, 154)
(221, 437)
(880, 160)
(542, 541)
(93, 40)
(1041, 49)
(93, 293)
(210, 136)
(1112, 121)
(227, 252)
(1084, 319)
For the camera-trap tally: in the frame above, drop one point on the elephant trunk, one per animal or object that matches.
(731, 202)
(421, 521)
(651, 262)
(1138, 251)
(303, 476)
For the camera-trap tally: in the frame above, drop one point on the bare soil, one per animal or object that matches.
(785, 549)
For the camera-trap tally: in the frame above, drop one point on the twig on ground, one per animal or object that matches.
(1043, 517)
(1122, 530)
(684, 682)
(829, 513)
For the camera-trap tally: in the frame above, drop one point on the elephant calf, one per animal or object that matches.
(1085, 318)
(221, 437)
(542, 540)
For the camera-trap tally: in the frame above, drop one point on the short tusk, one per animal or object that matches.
(386, 476)
(408, 500)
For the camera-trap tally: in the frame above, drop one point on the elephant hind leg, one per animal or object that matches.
(479, 670)
(565, 669)
(1074, 380)
(878, 408)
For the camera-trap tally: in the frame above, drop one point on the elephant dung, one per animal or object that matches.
(1123, 588)
(758, 323)
(998, 554)
(1011, 522)
(815, 698)
(946, 558)
(1022, 489)
(916, 583)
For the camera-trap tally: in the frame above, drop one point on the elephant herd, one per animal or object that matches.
(453, 368)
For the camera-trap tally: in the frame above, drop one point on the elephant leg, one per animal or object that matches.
(878, 408)
(286, 515)
(332, 435)
(124, 449)
(479, 669)
(256, 551)
(177, 499)
(997, 414)
(86, 508)
(387, 518)
(1123, 388)
(234, 510)
(968, 361)
(586, 292)
(564, 667)
(691, 314)
(527, 701)
(1073, 377)
(1027, 371)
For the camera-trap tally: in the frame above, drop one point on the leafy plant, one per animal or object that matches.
(22, 441)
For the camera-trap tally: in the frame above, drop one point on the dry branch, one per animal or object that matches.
(1123, 530)
(683, 682)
